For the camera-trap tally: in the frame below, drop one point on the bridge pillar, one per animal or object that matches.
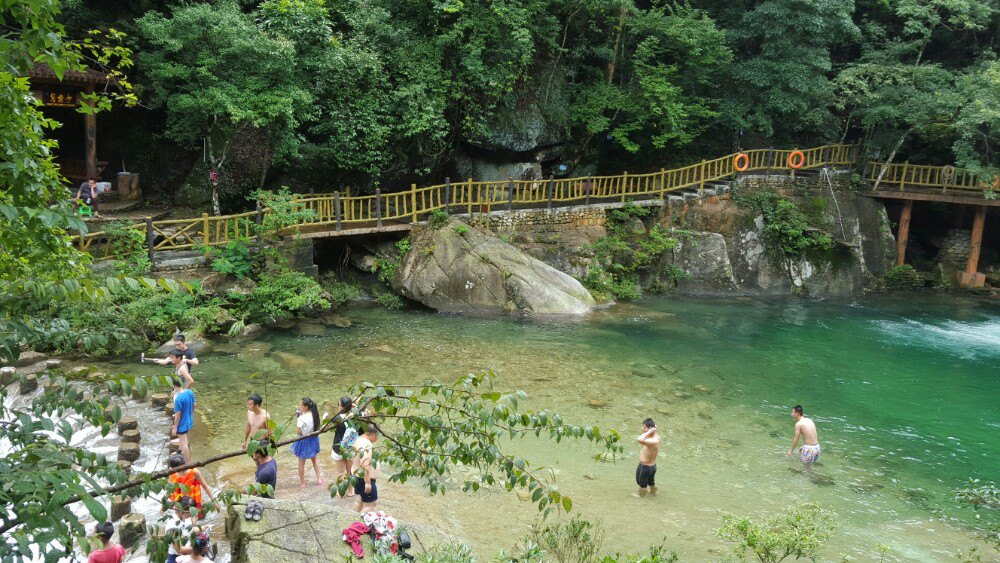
(903, 235)
(971, 278)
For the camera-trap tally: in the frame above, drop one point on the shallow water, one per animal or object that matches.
(903, 390)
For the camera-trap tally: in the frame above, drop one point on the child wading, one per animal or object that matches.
(309, 447)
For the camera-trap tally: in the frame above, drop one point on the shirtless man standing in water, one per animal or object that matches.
(256, 419)
(805, 428)
(645, 473)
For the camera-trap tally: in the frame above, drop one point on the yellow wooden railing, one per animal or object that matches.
(343, 211)
(900, 175)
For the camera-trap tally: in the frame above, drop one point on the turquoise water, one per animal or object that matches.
(904, 392)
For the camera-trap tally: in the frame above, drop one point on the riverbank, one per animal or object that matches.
(900, 391)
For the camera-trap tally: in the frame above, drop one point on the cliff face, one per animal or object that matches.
(723, 249)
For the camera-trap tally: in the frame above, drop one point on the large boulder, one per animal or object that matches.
(461, 269)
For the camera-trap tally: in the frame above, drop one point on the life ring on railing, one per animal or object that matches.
(796, 159)
(744, 158)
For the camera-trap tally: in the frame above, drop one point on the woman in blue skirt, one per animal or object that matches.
(308, 448)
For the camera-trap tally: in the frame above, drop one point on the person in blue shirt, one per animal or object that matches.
(267, 470)
(183, 416)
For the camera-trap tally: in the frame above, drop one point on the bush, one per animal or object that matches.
(438, 219)
(280, 293)
(676, 273)
(623, 253)
(232, 259)
(800, 532)
(283, 211)
(125, 240)
(341, 291)
(903, 277)
(390, 300)
(462, 229)
(787, 230)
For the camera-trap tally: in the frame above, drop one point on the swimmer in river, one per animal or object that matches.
(256, 419)
(805, 428)
(645, 473)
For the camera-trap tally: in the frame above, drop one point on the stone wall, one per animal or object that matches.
(558, 237)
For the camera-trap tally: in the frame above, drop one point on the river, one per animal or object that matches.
(904, 391)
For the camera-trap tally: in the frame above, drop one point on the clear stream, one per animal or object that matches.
(904, 391)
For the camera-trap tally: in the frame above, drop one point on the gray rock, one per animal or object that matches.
(127, 423)
(120, 506)
(133, 527)
(291, 532)
(476, 272)
(252, 329)
(159, 400)
(28, 384)
(7, 375)
(131, 436)
(129, 451)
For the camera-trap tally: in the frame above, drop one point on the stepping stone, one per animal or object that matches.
(130, 436)
(127, 423)
(7, 375)
(159, 400)
(138, 394)
(133, 527)
(175, 446)
(120, 506)
(129, 451)
(52, 364)
(28, 384)
(168, 410)
(126, 465)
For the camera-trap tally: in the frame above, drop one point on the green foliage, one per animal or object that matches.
(903, 277)
(627, 249)
(389, 300)
(784, 85)
(438, 218)
(385, 266)
(284, 211)
(676, 273)
(798, 533)
(45, 469)
(453, 552)
(129, 242)
(568, 542)
(341, 291)
(787, 230)
(233, 259)
(462, 229)
(280, 293)
(984, 498)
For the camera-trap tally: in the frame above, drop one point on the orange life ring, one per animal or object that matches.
(746, 162)
(796, 159)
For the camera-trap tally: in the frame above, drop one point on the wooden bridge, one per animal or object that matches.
(337, 214)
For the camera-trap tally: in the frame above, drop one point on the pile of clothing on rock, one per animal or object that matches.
(384, 533)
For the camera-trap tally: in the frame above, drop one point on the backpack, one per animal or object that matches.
(350, 436)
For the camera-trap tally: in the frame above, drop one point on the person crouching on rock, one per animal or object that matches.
(188, 483)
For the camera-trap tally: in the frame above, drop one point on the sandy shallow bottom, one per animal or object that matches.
(719, 389)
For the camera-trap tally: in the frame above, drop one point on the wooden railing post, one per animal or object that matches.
(663, 183)
(204, 229)
(550, 193)
(468, 199)
(413, 201)
(902, 176)
(378, 209)
(447, 195)
(701, 177)
(259, 220)
(149, 238)
(586, 191)
(336, 208)
(624, 185)
(510, 194)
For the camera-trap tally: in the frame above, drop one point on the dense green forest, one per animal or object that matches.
(381, 93)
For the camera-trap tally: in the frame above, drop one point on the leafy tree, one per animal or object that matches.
(978, 121)
(657, 92)
(783, 67)
(897, 88)
(219, 77)
(425, 430)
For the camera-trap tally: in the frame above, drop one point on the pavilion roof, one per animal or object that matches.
(42, 72)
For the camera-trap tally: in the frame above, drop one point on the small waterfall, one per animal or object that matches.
(967, 339)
